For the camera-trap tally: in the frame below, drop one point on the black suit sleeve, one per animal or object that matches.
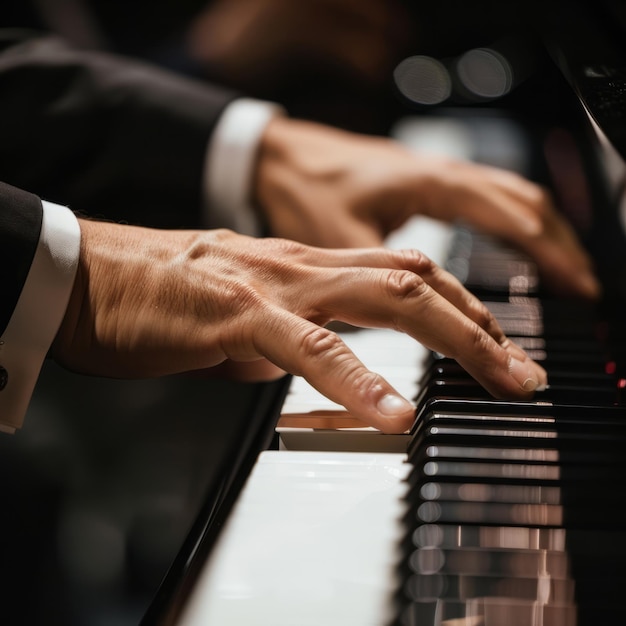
(108, 136)
(20, 225)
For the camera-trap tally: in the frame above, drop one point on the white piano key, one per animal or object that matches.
(425, 234)
(315, 534)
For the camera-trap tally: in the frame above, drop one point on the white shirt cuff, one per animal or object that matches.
(39, 311)
(230, 165)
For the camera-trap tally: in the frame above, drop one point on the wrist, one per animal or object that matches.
(282, 172)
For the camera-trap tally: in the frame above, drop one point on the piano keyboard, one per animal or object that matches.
(487, 513)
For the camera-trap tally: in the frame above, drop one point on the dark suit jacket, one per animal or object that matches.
(20, 225)
(102, 134)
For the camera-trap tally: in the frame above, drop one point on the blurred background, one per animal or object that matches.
(329, 60)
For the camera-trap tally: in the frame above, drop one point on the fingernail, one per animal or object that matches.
(522, 374)
(391, 404)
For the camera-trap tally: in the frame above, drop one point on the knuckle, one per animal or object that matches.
(237, 296)
(539, 199)
(319, 342)
(481, 342)
(477, 346)
(416, 260)
(484, 317)
(366, 383)
(403, 284)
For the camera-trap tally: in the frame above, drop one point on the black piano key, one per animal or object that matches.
(490, 562)
(604, 393)
(458, 491)
(467, 586)
(589, 553)
(598, 515)
(594, 373)
(579, 543)
(564, 365)
(473, 589)
(531, 412)
(489, 610)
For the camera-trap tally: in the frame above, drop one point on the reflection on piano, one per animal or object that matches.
(487, 512)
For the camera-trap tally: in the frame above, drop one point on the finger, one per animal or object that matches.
(414, 261)
(564, 265)
(450, 288)
(498, 364)
(523, 213)
(495, 200)
(547, 236)
(325, 361)
(554, 244)
(403, 300)
(440, 280)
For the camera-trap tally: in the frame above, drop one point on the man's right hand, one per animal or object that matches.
(155, 302)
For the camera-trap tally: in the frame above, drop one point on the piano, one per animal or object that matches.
(487, 512)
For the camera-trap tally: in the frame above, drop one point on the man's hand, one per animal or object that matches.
(155, 302)
(332, 188)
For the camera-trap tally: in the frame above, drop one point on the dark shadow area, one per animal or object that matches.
(100, 488)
